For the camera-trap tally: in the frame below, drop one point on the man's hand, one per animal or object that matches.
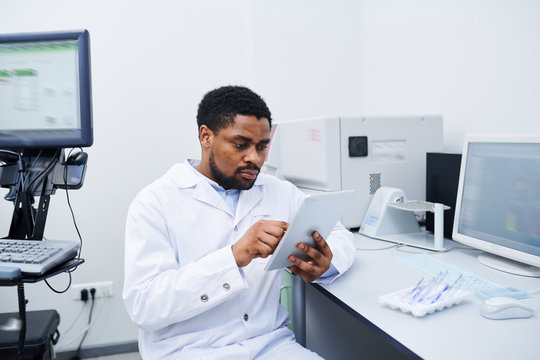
(318, 261)
(260, 240)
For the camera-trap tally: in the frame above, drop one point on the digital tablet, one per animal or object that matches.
(319, 212)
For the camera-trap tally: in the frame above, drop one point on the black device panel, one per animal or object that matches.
(442, 178)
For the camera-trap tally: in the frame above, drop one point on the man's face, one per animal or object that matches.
(237, 152)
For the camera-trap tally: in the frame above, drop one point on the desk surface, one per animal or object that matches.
(458, 332)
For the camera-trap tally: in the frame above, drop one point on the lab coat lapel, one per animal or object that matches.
(184, 176)
(248, 200)
(206, 193)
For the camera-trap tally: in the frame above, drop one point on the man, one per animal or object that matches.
(198, 238)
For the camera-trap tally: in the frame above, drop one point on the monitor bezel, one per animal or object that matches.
(86, 138)
(495, 249)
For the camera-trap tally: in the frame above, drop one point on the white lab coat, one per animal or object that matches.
(182, 286)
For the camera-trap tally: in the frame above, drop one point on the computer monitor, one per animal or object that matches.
(498, 201)
(45, 90)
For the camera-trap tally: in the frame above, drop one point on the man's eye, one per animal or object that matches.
(262, 147)
(239, 145)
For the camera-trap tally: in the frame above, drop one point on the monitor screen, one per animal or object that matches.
(45, 90)
(498, 200)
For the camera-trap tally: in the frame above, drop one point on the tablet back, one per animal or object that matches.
(319, 212)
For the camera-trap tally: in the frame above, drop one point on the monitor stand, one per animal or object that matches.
(421, 240)
(508, 265)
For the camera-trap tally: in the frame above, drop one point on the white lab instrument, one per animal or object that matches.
(390, 217)
(363, 153)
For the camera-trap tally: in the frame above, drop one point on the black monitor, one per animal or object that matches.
(442, 178)
(45, 90)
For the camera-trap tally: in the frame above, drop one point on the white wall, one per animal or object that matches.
(474, 62)
(152, 61)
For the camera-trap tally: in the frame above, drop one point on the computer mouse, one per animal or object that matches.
(79, 158)
(500, 308)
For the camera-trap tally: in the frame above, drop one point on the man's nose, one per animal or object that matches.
(252, 155)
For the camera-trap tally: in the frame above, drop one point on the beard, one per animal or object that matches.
(231, 182)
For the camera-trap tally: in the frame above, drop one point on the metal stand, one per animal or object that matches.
(45, 172)
(22, 318)
(20, 281)
(35, 180)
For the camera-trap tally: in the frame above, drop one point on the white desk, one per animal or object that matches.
(344, 320)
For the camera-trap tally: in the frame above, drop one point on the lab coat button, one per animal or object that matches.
(246, 317)
(235, 228)
(226, 286)
(204, 298)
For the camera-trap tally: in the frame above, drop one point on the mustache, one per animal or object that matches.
(248, 167)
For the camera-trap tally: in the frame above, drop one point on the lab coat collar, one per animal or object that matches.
(183, 176)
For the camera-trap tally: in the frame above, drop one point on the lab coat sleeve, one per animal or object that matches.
(157, 291)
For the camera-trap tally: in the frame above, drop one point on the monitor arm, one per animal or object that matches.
(38, 173)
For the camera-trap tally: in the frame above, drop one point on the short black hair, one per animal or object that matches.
(218, 107)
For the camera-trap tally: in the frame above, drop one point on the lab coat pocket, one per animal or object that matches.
(260, 213)
(264, 213)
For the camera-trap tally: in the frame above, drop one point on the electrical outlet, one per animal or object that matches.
(103, 289)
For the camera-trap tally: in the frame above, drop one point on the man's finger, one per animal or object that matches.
(304, 266)
(322, 245)
(269, 240)
(310, 251)
(275, 228)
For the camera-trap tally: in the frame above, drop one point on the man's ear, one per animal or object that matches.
(205, 136)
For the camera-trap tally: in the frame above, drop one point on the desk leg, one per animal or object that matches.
(299, 309)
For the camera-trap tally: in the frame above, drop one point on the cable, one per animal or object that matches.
(74, 224)
(62, 347)
(76, 228)
(19, 181)
(10, 152)
(93, 295)
(410, 249)
(68, 330)
(43, 172)
(72, 213)
(75, 338)
(430, 251)
(60, 291)
(377, 249)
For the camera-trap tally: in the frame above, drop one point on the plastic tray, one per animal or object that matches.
(395, 301)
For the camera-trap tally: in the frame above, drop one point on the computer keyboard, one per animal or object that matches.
(432, 266)
(36, 257)
(415, 205)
